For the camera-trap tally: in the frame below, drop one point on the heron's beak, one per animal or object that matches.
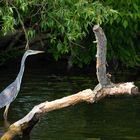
(40, 51)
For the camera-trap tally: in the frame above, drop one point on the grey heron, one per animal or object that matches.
(8, 95)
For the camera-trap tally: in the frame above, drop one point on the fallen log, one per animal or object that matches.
(104, 88)
(25, 125)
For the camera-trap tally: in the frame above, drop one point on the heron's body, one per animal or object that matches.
(10, 93)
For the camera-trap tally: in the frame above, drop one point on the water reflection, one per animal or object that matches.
(113, 118)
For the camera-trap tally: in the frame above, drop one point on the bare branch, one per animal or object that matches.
(23, 27)
(101, 56)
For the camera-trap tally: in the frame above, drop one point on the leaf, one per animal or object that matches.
(59, 46)
(125, 23)
(135, 6)
(31, 33)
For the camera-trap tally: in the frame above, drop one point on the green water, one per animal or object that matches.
(112, 118)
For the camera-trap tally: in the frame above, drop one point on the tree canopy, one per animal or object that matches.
(66, 27)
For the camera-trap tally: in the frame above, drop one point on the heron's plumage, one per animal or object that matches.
(10, 93)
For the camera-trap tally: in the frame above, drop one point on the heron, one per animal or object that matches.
(8, 95)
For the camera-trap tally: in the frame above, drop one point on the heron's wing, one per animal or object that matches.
(8, 94)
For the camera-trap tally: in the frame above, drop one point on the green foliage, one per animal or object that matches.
(122, 32)
(7, 19)
(67, 24)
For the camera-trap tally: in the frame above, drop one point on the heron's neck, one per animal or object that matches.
(22, 67)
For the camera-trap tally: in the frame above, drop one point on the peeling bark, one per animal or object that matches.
(101, 56)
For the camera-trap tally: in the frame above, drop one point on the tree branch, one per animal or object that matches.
(101, 56)
(23, 27)
(25, 125)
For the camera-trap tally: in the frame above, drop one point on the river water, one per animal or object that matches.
(112, 118)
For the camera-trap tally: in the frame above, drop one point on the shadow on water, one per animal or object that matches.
(113, 118)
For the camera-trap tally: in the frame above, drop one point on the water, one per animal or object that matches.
(112, 118)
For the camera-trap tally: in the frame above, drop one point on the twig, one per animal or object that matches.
(23, 27)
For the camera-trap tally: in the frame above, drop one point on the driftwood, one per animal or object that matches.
(104, 88)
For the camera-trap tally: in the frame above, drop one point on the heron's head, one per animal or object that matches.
(32, 52)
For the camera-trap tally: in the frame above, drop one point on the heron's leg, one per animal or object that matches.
(6, 124)
(6, 112)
